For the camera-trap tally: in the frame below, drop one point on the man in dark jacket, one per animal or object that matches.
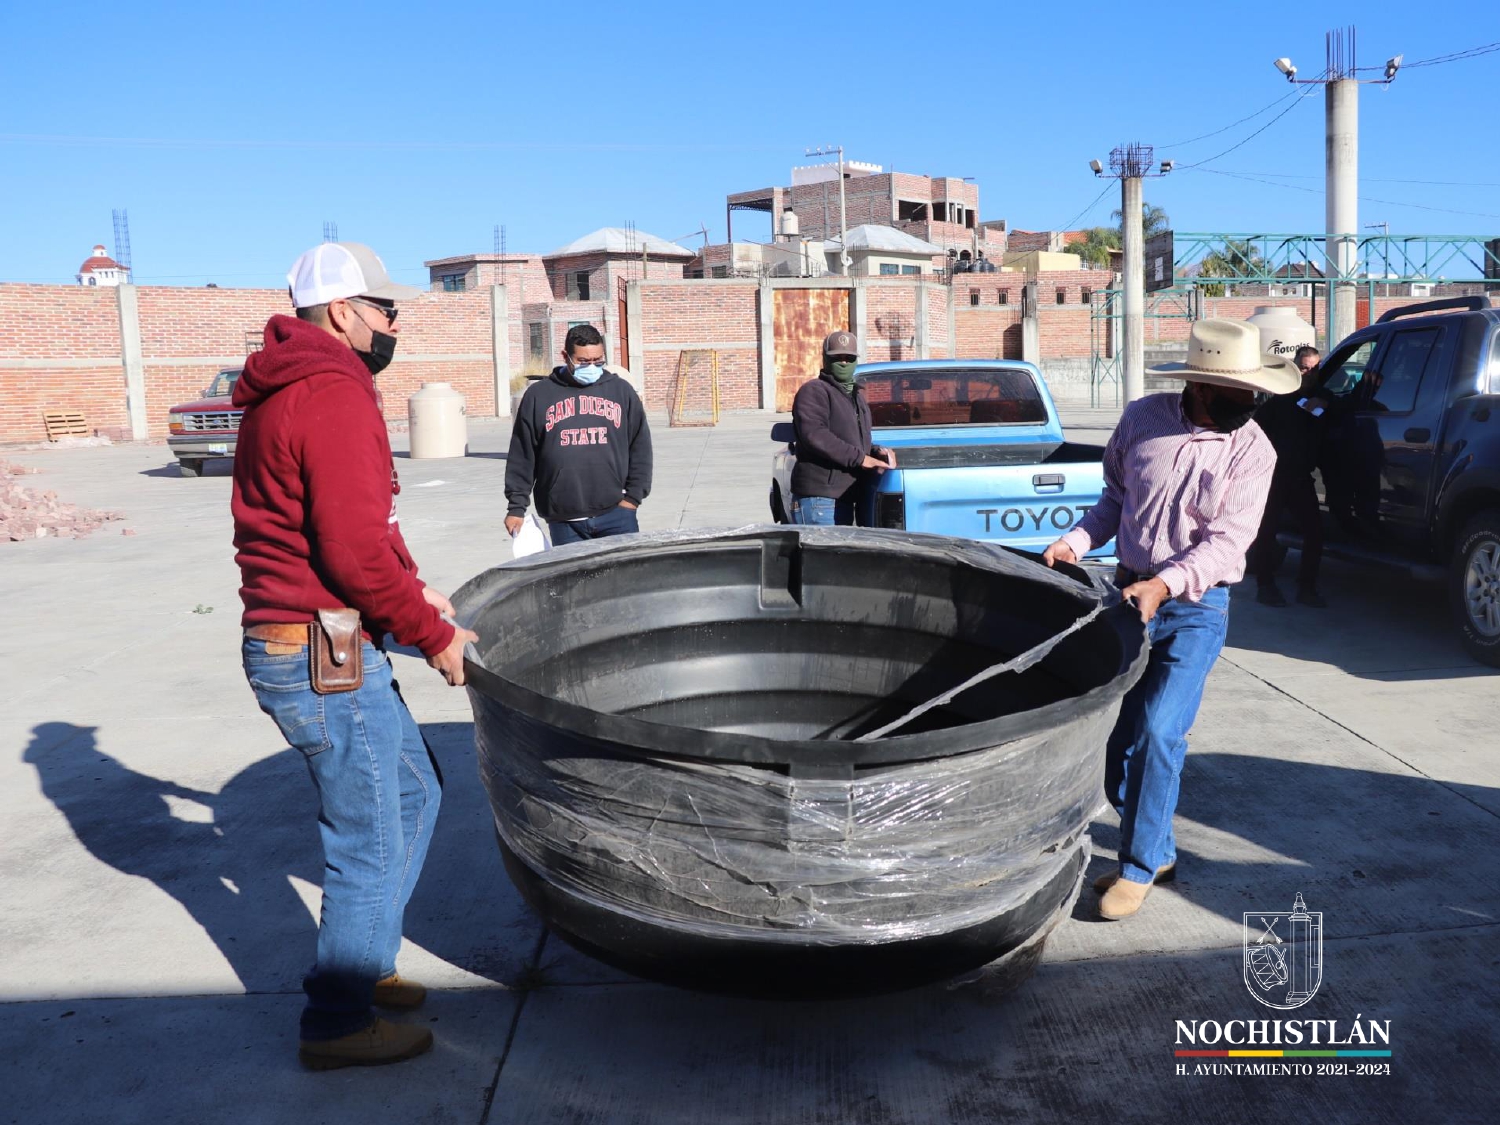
(1296, 434)
(581, 442)
(315, 530)
(834, 455)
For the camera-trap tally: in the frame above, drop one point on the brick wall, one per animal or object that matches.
(78, 330)
(189, 335)
(60, 345)
(60, 350)
(890, 321)
(938, 344)
(444, 338)
(988, 331)
(724, 315)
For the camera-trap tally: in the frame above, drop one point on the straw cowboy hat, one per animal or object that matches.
(1227, 353)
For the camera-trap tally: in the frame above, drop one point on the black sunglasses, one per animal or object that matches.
(389, 310)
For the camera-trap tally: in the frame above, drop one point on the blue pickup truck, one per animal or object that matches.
(980, 454)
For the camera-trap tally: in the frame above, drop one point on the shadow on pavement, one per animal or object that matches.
(1378, 625)
(228, 856)
(1381, 852)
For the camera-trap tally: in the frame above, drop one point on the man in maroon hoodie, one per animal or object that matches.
(315, 530)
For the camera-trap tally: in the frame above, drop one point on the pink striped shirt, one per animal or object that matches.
(1182, 503)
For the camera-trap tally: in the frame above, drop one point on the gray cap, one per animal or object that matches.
(335, 271)
(840, 343)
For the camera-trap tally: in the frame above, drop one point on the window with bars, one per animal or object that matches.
(454, 282)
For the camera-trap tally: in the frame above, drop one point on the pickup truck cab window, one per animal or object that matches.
(954, 397)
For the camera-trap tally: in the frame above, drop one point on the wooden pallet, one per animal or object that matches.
(64, 423)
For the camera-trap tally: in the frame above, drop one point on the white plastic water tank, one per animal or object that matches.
(1282, 331)
(435, 415)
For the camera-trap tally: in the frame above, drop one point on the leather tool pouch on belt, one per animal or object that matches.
(335, 652)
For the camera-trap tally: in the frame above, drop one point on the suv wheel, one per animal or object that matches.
(1475, 585)
(190, 467)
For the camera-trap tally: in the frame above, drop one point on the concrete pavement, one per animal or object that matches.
(159, 871)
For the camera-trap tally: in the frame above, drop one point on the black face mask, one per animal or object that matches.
(1225, 413)
(382, 351)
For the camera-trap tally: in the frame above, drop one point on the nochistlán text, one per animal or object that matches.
(1330, 1033)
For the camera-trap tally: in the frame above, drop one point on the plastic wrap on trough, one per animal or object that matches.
(666, 729)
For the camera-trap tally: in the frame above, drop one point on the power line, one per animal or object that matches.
(1232, 124)
(1069, 224)
(1363, 198)
(1365, 179)
(421, 146)
(1295, 103)
(1456, 56)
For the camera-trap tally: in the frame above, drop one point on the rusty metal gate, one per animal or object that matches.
(800, 319)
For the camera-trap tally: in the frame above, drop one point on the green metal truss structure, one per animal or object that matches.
(1284, 259)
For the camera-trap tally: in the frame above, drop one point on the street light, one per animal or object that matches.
(1096, 167)
(1341, 144)
(1167, 166)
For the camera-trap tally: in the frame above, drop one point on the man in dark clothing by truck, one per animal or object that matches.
(834, 455)
(581, 442)
(1296, 434)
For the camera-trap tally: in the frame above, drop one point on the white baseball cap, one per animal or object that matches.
(335, 271)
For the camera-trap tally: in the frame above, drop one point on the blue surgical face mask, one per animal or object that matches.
(588, 373)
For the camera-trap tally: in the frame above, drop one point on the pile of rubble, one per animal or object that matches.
(28, 514)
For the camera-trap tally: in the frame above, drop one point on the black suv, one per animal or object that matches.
(1414, 434)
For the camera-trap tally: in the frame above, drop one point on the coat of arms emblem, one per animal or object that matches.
(1284, 955)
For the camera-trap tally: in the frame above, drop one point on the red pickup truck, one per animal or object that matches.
(207, 428)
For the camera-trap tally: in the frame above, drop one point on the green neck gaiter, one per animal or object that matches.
(843, 372)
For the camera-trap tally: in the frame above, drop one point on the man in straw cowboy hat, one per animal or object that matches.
(1186, 477)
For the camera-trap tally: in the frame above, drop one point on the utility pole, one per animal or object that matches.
(1130, 164)
(830, 150)
(1341, 170)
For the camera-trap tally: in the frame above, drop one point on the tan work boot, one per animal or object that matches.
(397, 992)
(1164, 874)
(1123, 899)
(380, 1043)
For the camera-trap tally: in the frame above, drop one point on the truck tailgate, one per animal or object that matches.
(1026, 505)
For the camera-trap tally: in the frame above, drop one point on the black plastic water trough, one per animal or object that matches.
(666, 725)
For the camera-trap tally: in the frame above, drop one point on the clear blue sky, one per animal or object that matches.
(231, 132)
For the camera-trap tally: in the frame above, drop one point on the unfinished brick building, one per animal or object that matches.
(941, 210)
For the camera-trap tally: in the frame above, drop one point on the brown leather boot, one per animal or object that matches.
(381, 1043)
(397, 992)
(1164, 874)
(1123, 899)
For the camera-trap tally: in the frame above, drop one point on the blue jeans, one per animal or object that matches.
(616, 521)
(379, 790)
(822, 510)
(1143, 768)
